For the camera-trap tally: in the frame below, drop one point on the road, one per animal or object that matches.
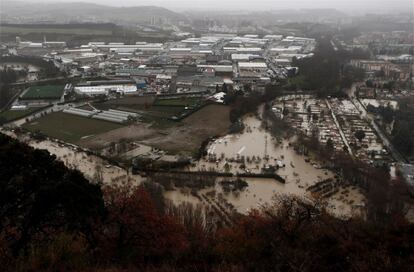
(334, 46)
(340, 129)
(54, 108)
(36, 81)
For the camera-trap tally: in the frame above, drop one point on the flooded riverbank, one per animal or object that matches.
(255, 150)
(31, 70)
(251, 151)
(93, 167)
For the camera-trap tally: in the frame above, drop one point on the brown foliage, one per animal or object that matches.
(134, 231)
(300, 236)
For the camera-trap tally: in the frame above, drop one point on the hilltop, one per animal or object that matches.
(23, 12)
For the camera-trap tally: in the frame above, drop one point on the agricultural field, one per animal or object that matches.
(211, 120)
(43, 92)
(183, 136)
(68, 127)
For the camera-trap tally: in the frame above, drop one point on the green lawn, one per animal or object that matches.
(69, 128)
(44, 92)
(155, 111)
(142, 105)
(10, 115)
(191, 101)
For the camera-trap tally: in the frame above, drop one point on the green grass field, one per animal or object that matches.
(157, 115)
(75, 31)
(10, 115)
(69, 128)
(133, 102)
(191, 101)
(155, 111)
(44, 92)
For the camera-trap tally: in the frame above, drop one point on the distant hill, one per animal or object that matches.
(270, 17)
(24, 12)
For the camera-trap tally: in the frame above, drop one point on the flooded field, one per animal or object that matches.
(347, 201)
(248, 152)
(259, 192)
(255, 149)
(94, 168)
(178, 197)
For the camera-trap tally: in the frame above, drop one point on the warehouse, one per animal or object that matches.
(252, 66)
(106, 89)
(219, 70)
(285, 50)
(273, 37)
(243, 57)
(245, 50)
(252, 69)
(111, 115)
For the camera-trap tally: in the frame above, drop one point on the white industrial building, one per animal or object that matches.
(260, 66)
(252, 69)
(245, 50)
(111, 115)
(285, 50)
(243, 57)
(106, 89)
(291, 56)
(273, 37)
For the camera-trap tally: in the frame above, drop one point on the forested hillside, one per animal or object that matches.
(53, 219)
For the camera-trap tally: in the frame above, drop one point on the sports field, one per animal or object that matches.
(44, 92)
(10, 115)
(158, 116)
(69, 128)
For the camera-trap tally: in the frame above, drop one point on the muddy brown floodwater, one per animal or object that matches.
(254, 143)
(91, 166)
(262, 149)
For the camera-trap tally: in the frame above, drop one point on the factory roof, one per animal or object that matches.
(218, 68)
(126, 88)
(179, 49)
(252, 65)
(242, 56)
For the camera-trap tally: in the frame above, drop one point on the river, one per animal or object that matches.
(93, 167)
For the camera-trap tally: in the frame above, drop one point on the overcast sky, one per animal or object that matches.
(346, 5)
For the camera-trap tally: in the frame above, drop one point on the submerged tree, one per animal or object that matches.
(360, 135)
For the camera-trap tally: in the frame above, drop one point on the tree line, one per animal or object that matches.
(8, 76)
(327, 72)
(47, 68)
